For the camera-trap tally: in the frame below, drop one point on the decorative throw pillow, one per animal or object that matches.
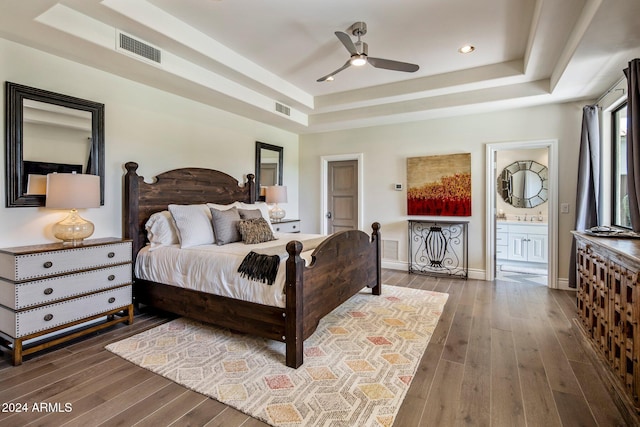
(255, 230)
(250, 213)
(225, 225)
(193, 224)
(161, 230)
(264, 209)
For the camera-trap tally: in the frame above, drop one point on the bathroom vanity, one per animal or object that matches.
(522, 241)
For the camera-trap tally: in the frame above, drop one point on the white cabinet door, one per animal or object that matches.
(537, 248)
(528, 247)
(517, 247)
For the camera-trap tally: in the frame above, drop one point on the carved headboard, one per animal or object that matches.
(179, 186)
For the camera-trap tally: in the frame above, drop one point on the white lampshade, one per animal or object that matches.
(36, 184)
(276, 194)
(72, 191)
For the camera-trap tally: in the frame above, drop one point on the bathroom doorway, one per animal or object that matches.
(521, 212)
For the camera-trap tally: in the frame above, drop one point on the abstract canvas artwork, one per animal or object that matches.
(439, 185)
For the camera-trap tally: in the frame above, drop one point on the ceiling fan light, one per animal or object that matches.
(358, 60)
(329, 79)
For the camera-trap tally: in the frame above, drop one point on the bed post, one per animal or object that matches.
(252, 187)
(293, 322)
(376, 238)
(131, 212)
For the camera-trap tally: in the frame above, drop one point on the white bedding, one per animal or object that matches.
(214, 269)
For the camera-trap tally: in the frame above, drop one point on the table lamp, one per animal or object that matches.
(73, 191)
(276, 194)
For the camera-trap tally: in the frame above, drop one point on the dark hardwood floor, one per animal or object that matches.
(503, 354)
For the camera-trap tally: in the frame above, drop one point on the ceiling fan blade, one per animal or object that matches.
(347, 42)
(346, 65)
(388, 64)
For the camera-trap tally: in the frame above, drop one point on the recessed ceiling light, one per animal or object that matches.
(467, 49)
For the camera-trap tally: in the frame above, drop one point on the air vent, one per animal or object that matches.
(390, 249)
(139, 48)
(283, 109)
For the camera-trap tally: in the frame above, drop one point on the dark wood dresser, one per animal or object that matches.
(608, 299)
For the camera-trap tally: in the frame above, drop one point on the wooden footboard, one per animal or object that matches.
(341, 266)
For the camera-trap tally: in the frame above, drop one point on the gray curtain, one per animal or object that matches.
(588, 180)
(633, 141)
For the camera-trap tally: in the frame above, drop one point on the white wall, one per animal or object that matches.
(156, 129)
(162, 131)
(386, 148)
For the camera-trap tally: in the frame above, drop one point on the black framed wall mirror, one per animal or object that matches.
(269, 161)
(49, 132)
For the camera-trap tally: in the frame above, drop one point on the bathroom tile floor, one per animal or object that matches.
(539, 278)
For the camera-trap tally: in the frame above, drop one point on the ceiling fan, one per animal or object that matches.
(359, 54)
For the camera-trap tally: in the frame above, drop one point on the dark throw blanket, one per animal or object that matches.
(262, 264)
(260, 267)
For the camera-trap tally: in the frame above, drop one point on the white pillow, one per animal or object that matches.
(264, 208)
(193, 223)
(161, 230)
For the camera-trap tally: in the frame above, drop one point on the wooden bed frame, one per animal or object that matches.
(341, 266)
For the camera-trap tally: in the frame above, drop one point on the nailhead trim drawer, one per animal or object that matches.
(44, 264)
(19, 324)
(29, 294)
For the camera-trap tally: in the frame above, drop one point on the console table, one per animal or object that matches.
(438, 248)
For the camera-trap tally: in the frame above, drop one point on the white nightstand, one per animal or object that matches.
(51, 287)
(287, 226)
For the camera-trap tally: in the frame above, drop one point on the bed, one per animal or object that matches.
(341, 266)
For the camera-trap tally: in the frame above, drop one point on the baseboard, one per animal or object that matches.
(563, 284)
(395, 265)
(404, 266)
(474, 273)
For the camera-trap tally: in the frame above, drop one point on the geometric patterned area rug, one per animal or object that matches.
(357, 365)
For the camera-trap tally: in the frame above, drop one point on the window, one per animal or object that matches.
(620, 201)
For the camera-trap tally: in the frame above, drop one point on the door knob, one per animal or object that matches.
(329, 215)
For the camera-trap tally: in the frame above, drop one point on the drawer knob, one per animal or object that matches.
(111, 254)
(48, 291)
(47, 264)
(111, 277)
(112, 300)
(48, 317)
(294, 227)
